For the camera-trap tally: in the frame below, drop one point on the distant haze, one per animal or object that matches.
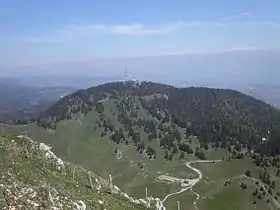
(254, 67)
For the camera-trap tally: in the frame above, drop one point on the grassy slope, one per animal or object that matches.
(79, 142)
(231, 197)
(217, 196)
(28, 178)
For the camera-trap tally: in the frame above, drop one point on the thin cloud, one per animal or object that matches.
(185, 52)
(56, 36)
(232, 49)
(136, 29)
(70, 32)
(238, 49)
(238, 16)
(129, 30)
(265, 23)
(41, 39)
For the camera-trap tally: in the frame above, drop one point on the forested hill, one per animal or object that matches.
(224, 117)
(83, 100)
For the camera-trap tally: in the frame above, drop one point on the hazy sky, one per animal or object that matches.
(35, 32)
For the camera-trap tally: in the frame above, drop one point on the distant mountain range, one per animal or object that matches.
(267, 93)
(20, 102)
(46, 80)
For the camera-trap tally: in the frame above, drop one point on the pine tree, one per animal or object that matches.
(273, 185)
(278, 172)
(166, 155)
(181, 156)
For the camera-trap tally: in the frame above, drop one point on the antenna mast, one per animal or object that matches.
(110, 183)
(125, 75)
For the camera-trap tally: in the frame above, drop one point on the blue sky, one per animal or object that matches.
(34, 32)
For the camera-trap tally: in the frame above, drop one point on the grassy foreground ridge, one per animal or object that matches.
(30, 179)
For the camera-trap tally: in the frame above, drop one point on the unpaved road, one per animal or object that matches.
(196, 180)
(193, 182)
(199, 176)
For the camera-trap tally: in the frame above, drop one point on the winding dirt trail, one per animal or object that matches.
(175, 193)
(193, 182)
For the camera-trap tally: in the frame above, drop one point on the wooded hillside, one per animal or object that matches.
(219, 116)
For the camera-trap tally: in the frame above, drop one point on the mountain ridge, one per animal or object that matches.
(21, 103)
(222, 115)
